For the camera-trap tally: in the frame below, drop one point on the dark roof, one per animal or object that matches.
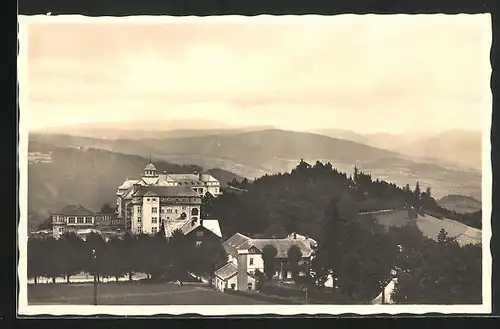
(227, 271)
(165, 191)
(77, 210)
(242, 242)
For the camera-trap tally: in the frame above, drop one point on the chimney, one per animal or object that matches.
(195, 172)
(294, 235)
(242, 276)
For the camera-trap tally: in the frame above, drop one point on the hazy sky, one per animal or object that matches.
(366, 73)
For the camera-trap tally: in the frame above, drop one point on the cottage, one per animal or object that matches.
(245, 258)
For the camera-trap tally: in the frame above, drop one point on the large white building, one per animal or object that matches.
(169, 199)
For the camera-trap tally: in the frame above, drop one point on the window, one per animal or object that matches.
(194, 212)
(199, 233)
(169, 210)
(79, 220)
(249, 285)
(176, 211)
(88, 220)
(60, 229)
(162, 210)
(251, 260)
(154, 220)
(216, 190)
(139, 220)
(71, 220)
(147, 199)
(153, 230)
(183, 207)
(139, 209)
(198, 244)
(154, 210)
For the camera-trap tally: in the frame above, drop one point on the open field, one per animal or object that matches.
(132, 294)
(430, 226)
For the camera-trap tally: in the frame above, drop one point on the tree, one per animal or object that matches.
(35, 258)
(269, 253)
(441, 273)
(95, 252)
(51, 265)
(73, 254)
(127, 254)
(115, 265)
(107, 209)
(442, 236)
(294, 257)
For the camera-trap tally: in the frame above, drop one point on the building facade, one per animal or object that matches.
(245, 257)
(168, 200)
(77, 218)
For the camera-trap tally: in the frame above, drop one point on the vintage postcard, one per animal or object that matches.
(250, 165)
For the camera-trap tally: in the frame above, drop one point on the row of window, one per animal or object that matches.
(174, 199)
(154, 210)
(154, 220)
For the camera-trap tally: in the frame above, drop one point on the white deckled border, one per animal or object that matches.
(221, 310)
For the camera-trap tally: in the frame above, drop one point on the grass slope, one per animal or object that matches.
(430, 226)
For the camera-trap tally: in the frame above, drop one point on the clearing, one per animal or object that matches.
(430, 226)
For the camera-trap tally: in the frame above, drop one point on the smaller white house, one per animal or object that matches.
(245, 258)
(227, 278)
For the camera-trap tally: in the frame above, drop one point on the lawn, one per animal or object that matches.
(430, 226)
(133, 294)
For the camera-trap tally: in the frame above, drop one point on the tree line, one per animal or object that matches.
(364, 257)
(159, 258)
(275, 205)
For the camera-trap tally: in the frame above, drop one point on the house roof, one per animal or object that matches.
(184, 177)
(129, 183)
(150, 166)
(165, 191)
(77, 210)
(293, 236)
(210, 224)
(240, 242)
(227, 271)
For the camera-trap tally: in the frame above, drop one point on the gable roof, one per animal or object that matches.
(77, 210)
(227, 271)
(129, 183)
(211, 225)
(240, 242)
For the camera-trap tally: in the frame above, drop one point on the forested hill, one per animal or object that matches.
(88, 177)
(296, 201)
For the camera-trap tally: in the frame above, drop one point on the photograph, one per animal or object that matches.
(232, 165)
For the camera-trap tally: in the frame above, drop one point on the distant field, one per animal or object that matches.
(132, 294)
(430, 226)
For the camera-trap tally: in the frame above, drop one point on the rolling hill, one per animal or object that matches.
(455, 147)
(88, 177)
(460, 203)
(255, 153)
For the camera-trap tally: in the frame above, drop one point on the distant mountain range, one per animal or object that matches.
(88, 177)
(254, 152)
(460, 147)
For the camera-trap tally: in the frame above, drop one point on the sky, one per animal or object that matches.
(363, 73)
